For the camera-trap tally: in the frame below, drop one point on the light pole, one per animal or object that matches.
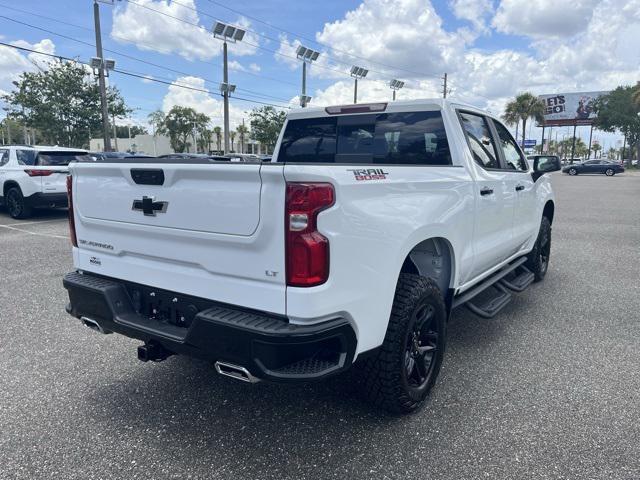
(395, 85)
(307, 55)
(226, 33)
(356, 73)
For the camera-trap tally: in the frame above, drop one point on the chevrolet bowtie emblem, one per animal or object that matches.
(149, 206)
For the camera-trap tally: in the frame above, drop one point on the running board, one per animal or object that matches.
(491, 306)
(523, 277)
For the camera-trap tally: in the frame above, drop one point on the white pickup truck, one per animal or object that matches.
(370, 224)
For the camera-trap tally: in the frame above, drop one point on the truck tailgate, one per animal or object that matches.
(209, 230)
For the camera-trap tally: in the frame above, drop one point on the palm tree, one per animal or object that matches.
(217, 131)
(596, 148)
(232, 136)
(242, 131)
(525, 106)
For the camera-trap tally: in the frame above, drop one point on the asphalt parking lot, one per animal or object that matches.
(550, 388)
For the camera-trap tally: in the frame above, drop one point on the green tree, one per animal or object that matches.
(179, 124)
(525, 106)
(595, 148)
(156, 120)
(266, 123)
(206, 136)
(61, 104)
(618, 111)
(242, 131)
(217, 131)
(123, 131)
(635, 95)
(232, 136)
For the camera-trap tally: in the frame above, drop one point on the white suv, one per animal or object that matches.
(32, 177)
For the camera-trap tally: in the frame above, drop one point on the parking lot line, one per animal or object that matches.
(31, 223)
(9, 227)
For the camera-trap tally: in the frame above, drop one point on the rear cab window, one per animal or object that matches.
(407, 138)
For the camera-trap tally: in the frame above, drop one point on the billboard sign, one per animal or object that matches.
(564, 109)
(530, 143)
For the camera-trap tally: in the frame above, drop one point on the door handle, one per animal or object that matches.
(486, 191)
(519, 188)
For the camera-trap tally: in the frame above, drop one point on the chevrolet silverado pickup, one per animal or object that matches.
(369, 225)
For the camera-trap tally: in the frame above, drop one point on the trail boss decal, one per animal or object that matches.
(369, 174)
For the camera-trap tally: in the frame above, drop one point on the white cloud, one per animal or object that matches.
(474, 11)
(544, 18)
(171, 27)
(13, 62)
(254, 67)
(408, 34)
(201, 102)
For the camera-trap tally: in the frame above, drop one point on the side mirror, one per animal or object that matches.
(542, 165)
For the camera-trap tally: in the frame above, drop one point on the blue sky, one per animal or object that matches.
(491, 49)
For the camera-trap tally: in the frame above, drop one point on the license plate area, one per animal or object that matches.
(165, 307)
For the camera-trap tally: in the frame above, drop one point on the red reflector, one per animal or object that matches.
(359, 108)
(307, 250)
(72, 221)
(34, 172)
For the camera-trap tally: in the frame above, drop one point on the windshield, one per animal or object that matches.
(61, 158)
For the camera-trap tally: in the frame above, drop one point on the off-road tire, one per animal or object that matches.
(538, 259)
(386, 381)
(16, 204)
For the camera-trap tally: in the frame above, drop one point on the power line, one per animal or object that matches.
(138, 75)
(131, 57)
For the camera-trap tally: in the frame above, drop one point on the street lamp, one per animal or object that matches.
(356, 73)
(307, 55)
(395, 85)
(233, 34)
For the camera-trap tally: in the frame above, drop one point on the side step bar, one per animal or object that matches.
(501, 298)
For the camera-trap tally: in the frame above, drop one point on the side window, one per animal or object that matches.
(512, 155)
(26, 157)
(479, 136)
(4, 157)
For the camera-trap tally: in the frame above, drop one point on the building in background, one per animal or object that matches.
(160, 145)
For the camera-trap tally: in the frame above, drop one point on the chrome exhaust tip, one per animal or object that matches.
(235, 371)
(93, 325)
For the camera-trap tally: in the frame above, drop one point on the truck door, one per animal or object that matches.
(525, 221)
(495, 196)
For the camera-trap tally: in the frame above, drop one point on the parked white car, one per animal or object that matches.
(370, 224)
(35, 176)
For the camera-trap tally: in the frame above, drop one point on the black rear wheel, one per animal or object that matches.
(538, 259)
(16, 204)
(401, 374)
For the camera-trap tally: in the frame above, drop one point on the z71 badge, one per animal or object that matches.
(369, 174)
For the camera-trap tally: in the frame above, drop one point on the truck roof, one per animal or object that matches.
(395, 106)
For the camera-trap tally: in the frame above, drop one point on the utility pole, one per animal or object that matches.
(355, 90)
(101, 78)
(444, 86)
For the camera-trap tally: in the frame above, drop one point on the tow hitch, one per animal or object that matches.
(153, 351)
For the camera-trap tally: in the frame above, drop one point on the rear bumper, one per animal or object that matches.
(48, 200)
(267, 345)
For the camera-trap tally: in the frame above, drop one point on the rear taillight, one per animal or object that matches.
(36, 172)
(307, 249)
(72, 221)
